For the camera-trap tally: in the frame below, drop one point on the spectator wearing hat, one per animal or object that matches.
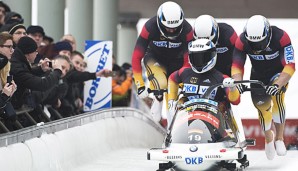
(4, 8)
(71, 39)
(59, 48)
(29, 78)
(63, 48)
(47, 40)
(36, 33)
(11, 19)
(17, 31)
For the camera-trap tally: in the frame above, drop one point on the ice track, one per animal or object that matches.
(111, 140)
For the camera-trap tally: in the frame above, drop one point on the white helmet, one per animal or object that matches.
(169, 19)
(202, 55)
(258, 33)
(205, 27)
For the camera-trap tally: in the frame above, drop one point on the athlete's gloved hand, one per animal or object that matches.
(241, 88)
(272, 90)
(228, 82)
(142, 92)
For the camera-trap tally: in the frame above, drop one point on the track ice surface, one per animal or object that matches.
(133, 159)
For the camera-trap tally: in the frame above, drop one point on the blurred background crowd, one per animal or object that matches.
(42, 79)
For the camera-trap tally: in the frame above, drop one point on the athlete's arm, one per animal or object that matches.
(137, 56)
(189, 38)
(173, 86)
(232, 94)
(287, 59)
(239, 57)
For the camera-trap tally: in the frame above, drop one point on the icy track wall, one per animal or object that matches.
(79, 145)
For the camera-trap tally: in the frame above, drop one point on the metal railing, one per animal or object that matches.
(58, 125)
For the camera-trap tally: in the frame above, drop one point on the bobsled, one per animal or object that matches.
(203, 135)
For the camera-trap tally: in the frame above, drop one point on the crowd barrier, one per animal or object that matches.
(72, 142)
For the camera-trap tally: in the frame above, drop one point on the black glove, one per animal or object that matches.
(241, 88)
(272, 90)
(142, 92)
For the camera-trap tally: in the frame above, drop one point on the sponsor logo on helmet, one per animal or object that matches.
(173, 22)
(197, 46)
(255, 37)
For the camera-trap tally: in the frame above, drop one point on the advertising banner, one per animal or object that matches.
(252, 129)
(98, 92)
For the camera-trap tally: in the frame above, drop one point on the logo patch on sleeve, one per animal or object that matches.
(289, 54)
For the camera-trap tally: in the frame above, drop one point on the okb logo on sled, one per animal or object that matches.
(193, 160)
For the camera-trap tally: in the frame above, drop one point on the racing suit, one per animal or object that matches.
(195, 85)
(277, 58)
(161, 56)
(225, 47)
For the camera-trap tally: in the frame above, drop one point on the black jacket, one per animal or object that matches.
(28, 79)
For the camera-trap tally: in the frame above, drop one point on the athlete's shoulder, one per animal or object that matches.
(240, 41)
(225, 27)
(187, 31)
(184, 69)
(277, 33)
(151, 26)
(227, 34)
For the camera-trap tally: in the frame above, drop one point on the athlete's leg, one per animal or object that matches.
(156, 74)
(264, 107)
(279, 118)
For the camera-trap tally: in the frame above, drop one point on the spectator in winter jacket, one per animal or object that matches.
(7, 87)
(29, 78)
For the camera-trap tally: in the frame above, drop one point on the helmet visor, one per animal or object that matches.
(201, 59)
(170, 33)
(259, 46)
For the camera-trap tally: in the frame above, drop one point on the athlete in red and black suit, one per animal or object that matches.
(222, 35)
(163, 44)
(195, 85)
(272, 57)
(225, 47)
(201, 75)
(155, 48)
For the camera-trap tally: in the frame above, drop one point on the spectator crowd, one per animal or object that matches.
(42, 79)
